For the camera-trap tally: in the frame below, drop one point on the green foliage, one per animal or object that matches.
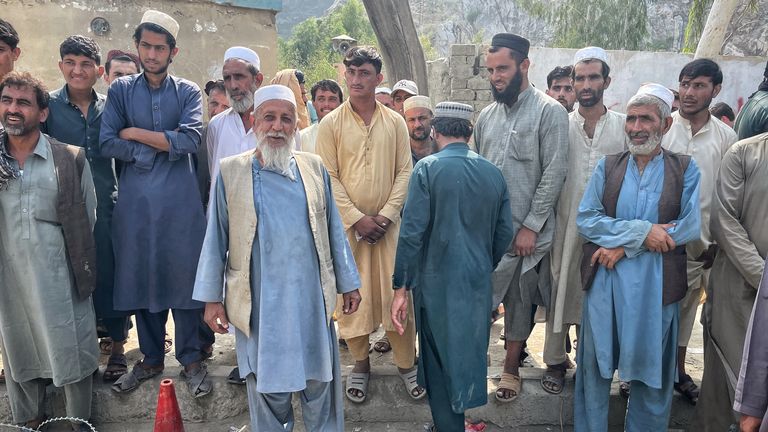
(610, 24)
(430, 53)
(310, 48)
(697, 18)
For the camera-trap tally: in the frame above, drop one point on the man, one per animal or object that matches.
(676, 101)
(418, 118)
(401, 91)
(457, 218)
(753, 117)
(723, 112)
(364, 146)
(696, 133)
(216, 92)
(560, 86)
(594, 131)
(152, 123)
(9, 47)
(738, 227)
(230, 133)
(75, 118)
(639, 210)
(47, 212)
(384, 96)
(326, 97)
(524, 133)
(292, 263)
(751, 398)
(119, 64)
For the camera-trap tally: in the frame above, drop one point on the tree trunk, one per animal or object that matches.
(713, 35)
(400, 46)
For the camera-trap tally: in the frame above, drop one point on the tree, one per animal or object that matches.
(609, 24)
(706, 38)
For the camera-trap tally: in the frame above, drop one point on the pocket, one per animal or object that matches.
(47, 215)
(520, 148)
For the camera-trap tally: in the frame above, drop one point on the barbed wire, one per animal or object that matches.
(49, 421)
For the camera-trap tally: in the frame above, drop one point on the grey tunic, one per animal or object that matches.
(528, 142)
(46, 331)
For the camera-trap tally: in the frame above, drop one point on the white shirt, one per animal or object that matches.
(308, 138)
(226, 137)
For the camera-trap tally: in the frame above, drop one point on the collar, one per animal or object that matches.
(42, 148)
(62, 95)
(677, 117)
(456, 145)
(257, 166)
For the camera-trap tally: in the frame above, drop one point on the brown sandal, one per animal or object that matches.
(117, 366)
(511, 383)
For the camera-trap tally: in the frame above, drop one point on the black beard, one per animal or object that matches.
(510, 94)
(597, 96)
(419, 137)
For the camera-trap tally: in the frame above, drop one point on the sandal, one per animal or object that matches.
(2, 376)
(624, 388)
(234, 377)
(382, 345)
(105, 346)
(131, 380)
(688, 389)
(415, 391)
(511, 383)
(553, 379)
(117, 366)
(357, 381)
(198, 382)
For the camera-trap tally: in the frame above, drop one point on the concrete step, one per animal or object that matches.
(388, 404)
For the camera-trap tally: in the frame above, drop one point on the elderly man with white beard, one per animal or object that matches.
(275, 232)
(229, 133)
(638, 211)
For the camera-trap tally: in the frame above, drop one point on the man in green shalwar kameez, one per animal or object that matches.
(457, 224)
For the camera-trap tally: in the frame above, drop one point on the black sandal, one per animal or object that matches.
(553, 379)
(688, 389)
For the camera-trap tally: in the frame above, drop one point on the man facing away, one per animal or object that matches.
(152, 124)
(365, 148)
(47, 212)
(525, 134)
(697, 133)
(594, 131)
(273, 209)
(457, 219)
(639, 210)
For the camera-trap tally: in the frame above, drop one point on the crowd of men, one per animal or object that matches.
(299, 224)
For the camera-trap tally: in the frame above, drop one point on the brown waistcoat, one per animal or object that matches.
(674, 269)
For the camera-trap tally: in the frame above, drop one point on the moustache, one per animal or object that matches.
(282, 135)
(19, 115)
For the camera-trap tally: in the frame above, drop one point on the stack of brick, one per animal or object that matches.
(468, 76)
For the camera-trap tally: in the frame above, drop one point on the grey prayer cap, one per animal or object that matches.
(454, 110)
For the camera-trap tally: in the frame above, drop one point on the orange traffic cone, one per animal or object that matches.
(168, 416)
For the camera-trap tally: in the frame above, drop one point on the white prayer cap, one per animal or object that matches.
(454, 110)
(273, 92)
(590, 53)
(406, 86)
(417, 102)
(163, 20)
(385, 90)
(657, 90)
(243, 53)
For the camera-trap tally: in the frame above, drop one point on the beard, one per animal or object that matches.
(16, 130)
(509, 95)
(244, 104)
(420, 134)
(653, 141)
(277, 159)
(597, 96)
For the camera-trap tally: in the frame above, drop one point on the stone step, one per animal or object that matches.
(388, 404)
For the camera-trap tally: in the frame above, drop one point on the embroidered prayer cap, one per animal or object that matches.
(273, 92)
(454, 110)
(511, 41)
(590, 53)
(406, 86)
(245, 54)
(163, 20)
(657, 90)
(417, 102)
(384, 90)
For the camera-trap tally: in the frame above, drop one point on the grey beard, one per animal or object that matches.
(15, 130)
(243, 105)
(645, 149)
(277, 159)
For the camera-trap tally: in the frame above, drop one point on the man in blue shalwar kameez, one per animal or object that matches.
(152, 123)
(638, 211)
(457, 225)
(275, 232)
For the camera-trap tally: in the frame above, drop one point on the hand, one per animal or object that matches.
(126, 134)
(399, 310)
(382, 221)
(749, 423)
(607, 257)
(369, 230)
(216, 317)
(351, 301)
(658, 239)
(525, 242)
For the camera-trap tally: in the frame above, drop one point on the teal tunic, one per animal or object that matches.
(457, 224)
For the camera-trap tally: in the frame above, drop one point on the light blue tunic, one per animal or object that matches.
(290, 341)
(632, 291)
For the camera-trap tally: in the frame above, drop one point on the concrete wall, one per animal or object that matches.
(464, 71)
(207, 30)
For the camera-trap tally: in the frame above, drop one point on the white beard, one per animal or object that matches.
(645, 149)
(242, 105)
(276, 159)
